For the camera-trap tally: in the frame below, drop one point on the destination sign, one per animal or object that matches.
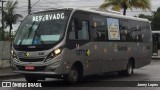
(48, 17)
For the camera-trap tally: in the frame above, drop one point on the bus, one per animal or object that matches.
(71, 43)
(156, 44)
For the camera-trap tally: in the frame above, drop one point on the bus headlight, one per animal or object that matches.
(53, 54)
(14, 56)
(57, 51)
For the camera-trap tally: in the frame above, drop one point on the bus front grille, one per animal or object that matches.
(31, 60)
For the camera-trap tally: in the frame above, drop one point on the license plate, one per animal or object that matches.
(29, 68)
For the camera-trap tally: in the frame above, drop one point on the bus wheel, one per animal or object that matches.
(129, 70)
(30, 79)
(73, 76)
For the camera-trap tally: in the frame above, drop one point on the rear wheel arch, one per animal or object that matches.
(133, 61)
(129, 68)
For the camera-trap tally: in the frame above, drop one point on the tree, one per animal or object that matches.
(10, 17)
(149, 17)
(156, 20)
(117, 5)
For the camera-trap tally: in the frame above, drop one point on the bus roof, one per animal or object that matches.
(101, 13)
(114, 15)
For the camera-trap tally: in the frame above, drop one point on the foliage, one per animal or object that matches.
(149, 17)
(117, 5)
(6, 35)
(10, 17)
(156, 20)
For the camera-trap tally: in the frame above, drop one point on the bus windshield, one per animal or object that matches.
(42, 28)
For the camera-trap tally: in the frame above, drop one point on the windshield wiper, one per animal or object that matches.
(28, 33)
(35, 31)
(30, 29)
(37, 34)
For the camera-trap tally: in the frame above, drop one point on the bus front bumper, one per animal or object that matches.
(40, 74)
(50, 70)
(36, 73)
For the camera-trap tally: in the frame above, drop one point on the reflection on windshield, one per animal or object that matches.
(42, 28)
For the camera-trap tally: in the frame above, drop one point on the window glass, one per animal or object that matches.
(145, 31)
(135, 31)
(82, 34)
(124, 30)
(42, 28)
(72, 32)
(99, 28)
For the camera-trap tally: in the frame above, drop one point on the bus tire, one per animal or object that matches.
(30, 79)
(129, 70)
(73, 76)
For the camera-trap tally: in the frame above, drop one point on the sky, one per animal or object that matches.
(38, 5)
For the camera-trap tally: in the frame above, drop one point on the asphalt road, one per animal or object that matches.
(110, 81)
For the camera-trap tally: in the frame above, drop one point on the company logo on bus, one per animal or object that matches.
(27, 54)
(120, 48)
(83, 52)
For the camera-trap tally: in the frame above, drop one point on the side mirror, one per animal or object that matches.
(78, 24)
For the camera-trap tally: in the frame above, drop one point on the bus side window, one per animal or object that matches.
(99, 30)
(145, 31)
(83, 34)
(76, 34)
(135, 31)
(124, 30)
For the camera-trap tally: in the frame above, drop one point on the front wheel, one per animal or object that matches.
(73, 76)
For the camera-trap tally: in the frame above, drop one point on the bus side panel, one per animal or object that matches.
(84, 53)
(145, 46)
(107, 55)
(146, 55)
(112, 57)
